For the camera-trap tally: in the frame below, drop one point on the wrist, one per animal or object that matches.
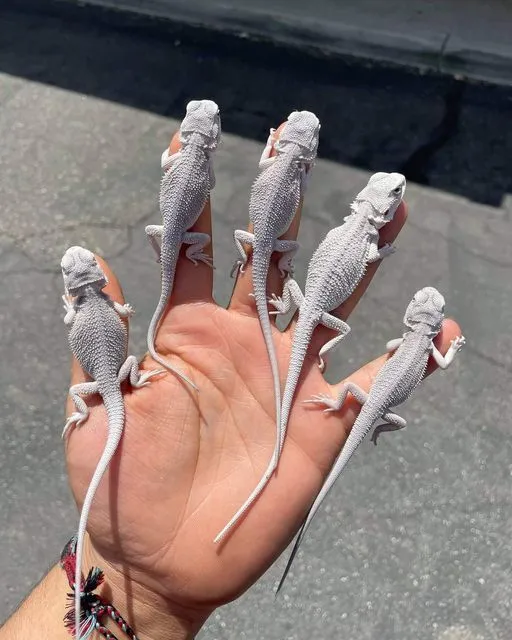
(151, 616)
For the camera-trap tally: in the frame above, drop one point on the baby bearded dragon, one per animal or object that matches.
(393, 385)
(98, 340)
(184, 191)
(336, 268)
(275, 197)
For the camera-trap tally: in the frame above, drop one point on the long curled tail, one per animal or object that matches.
(114, 405)
(155, 321)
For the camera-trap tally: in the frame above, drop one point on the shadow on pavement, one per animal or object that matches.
(438, 131)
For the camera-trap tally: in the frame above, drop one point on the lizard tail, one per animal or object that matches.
(296, 546)
(302, 338)
(261, 261)
(155, 321)
(114, 405)
(361, 427)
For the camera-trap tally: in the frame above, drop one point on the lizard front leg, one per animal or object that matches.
(167, 161)
(197, 242)
(375, 253)
(445, 361)
(292, 298)
(130, 370)
(82, 413)
(266, 159)
(154, 233)
(288, 248)
(241, 237)
(124, 310)
(331, 322)
(69, 309)
(393, 345)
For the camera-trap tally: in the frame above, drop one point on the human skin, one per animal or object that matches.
(188, 460)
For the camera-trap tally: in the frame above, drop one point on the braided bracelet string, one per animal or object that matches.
(93, 607)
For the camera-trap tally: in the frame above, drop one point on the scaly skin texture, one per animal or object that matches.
(275, 197)
(185, 188)
(99, 341)
(392, 386)
(189, 460)
(334, 272)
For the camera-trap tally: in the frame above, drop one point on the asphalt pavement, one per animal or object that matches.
(415, 543)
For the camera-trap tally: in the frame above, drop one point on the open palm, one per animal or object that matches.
(188, 460)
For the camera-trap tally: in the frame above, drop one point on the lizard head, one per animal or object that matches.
(426, 309)
(202, 118)
(384, 193)
(302, 128)
(80, 268)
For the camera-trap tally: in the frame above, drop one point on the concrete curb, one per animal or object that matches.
(430, 50)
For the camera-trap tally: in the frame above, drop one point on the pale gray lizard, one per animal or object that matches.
(336, 268)
(392, 386)
(185, 188)
(99, 341)
(275, 197)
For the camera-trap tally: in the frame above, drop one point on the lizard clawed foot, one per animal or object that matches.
(143, 380)
(278, 305)
(75, 419)
(323, 398)
(238, 266)
(285, 266)
(387, 250)
(129, 309)
(68, 306)
(458, 343)
(196, 257)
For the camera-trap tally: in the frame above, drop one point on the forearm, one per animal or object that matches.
(42, 612)
(150, 616)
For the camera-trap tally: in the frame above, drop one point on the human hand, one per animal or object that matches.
(188, 460)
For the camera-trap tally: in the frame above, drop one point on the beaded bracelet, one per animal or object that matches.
(93, 607)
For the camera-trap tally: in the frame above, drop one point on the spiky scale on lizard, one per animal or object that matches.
(275, 197)
(185, 189)
(99, 341)
(393, 385)
(336, 268)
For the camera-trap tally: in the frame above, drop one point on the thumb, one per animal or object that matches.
(113, 289)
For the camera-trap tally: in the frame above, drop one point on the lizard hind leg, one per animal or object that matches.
(331, 322)
(197, 242)
(292, 298)
(394, 422)
(335, 404)
(130, 371)
(80, 416)
(288, 248)
(241, 237)
(154, 233)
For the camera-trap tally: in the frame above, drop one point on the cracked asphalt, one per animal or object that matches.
(415, 543)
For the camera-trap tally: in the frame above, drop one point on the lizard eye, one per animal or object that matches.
(397, 190)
